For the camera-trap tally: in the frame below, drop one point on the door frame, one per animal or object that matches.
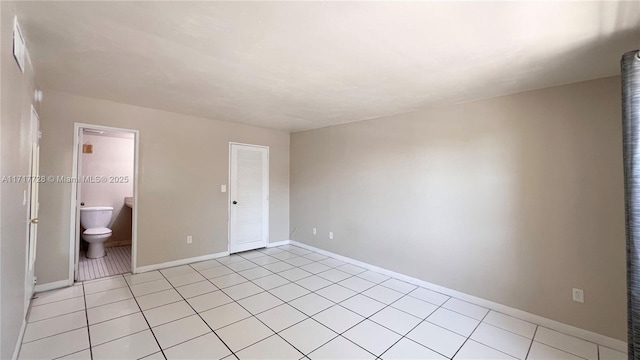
(74, 236)
(231, 143)
(30, 276)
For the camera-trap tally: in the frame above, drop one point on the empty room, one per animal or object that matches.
(320, 180)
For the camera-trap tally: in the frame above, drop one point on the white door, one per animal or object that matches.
(33, 203)
(249, 197)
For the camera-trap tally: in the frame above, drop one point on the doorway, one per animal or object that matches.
(104, 202)
(248, 197)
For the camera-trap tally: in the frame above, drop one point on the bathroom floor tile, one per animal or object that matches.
(311, 304)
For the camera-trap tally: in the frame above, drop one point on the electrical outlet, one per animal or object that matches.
(315, 231)
(578, 295)
(330, 235)
(223, 188)
(189, 239)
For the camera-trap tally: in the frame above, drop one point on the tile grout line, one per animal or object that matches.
(197, 313)
(86, 314)
(532, 340)
(145, 319)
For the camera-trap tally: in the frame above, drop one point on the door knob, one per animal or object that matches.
(234, 202)
(34, 221)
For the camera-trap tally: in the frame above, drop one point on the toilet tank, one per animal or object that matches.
(95, 216)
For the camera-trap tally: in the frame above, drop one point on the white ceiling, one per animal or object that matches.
(304, 65)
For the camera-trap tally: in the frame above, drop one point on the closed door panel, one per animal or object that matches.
(249, 196)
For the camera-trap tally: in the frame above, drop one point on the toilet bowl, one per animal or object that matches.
(95, 221)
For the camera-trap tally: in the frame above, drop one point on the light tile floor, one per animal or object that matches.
(116, 261)
(279, 303)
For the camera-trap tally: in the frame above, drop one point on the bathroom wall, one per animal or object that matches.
(183, 161)
(516, 199)
(113, 155)
(16, 98)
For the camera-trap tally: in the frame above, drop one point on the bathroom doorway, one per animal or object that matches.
(103, 202)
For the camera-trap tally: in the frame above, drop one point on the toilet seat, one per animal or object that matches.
(97, 231)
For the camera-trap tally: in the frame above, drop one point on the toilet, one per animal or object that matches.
(95, 221)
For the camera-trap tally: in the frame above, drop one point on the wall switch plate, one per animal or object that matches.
(24, 198)
(578, 295)
(223, 188)
(189, 239)
(315, 231)
(330, 235)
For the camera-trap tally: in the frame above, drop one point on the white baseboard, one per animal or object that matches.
(278, 243)
(51, 286)
(16, 349)
(536, 319)
(141, 269)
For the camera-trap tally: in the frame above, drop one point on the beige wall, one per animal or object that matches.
(515, 199)
(183, 162)
(112, 156)
(15, 114)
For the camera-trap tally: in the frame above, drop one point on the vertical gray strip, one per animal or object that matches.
(631, 146)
